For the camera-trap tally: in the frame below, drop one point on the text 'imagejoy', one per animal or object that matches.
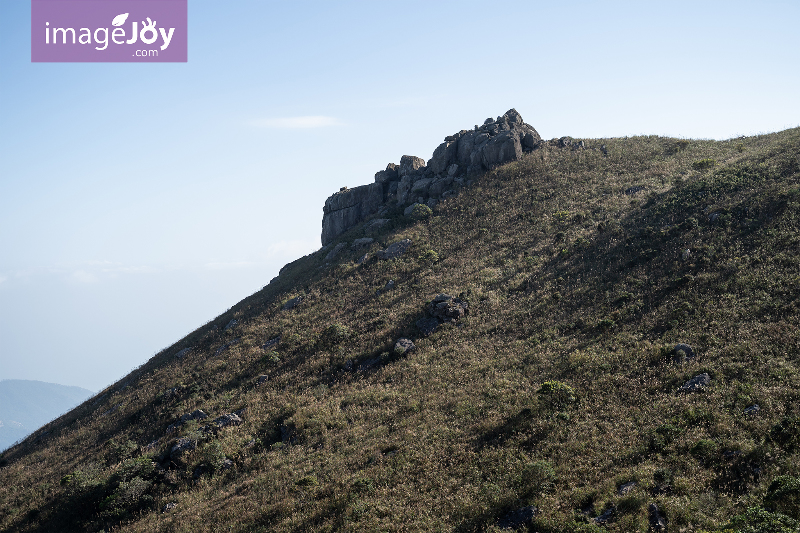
(86, 31)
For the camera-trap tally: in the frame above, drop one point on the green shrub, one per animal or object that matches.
(758, 520)
(333, 335)
(429, 256)
(557, 394)
(421, 211)
(786, 432)
(704, 450)
(783, 495)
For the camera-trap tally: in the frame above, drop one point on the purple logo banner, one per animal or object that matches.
(133, 31)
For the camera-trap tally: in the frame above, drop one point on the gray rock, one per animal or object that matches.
(181, 354)
(713, 217)
(402, 189)
(431, 202)
(697, 383)
(410, 164)
(445, 308)
(657, 521)
(403, 346)
(607, 516)
(363, 259)
(291, 304)
(272, 342)
(263, 378)
(168, 507)
(633, 190)
(231, 419)
(395, 250)
(230, 324)
(226, 464)
(518, 519)
(421, 186)
(388, 175)
(335, 251)
(753, 409)
(364, 241)
(625, 488)
(452, 170)
(436, 188)
(682, 353)
(347, 208)
(181, 446)
(389, 285)
(444, 155)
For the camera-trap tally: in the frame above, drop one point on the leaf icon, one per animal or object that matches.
(119, 20)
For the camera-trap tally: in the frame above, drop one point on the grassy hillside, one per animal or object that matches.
(582, 270)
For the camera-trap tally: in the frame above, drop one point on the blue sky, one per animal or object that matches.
(138, 201)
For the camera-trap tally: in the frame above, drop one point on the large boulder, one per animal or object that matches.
(347, 208)
(409, 164)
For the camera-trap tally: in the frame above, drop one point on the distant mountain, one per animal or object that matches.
(26, 405)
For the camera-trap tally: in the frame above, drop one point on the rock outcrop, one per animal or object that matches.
(494, 143)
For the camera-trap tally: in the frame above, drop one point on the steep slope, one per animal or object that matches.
(558, 397)
(26, 405)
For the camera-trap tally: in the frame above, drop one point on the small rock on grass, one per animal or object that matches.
(403, 346)
(697, 383)
(518, 519)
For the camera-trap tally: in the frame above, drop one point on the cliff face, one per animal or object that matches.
(494, 143)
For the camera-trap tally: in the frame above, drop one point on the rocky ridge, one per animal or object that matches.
(496, 142)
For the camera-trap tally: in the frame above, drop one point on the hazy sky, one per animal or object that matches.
(139, 201)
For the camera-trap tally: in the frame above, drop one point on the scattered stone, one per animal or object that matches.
(263, 378)
(625, 488)
(696, 384)
(518, 519)
(395, 250)
(226, 346)
(226, 464)
(446, 308)
(681, 353)
(686, 254)
(181, 354)
(753, 409)
(291, 304)
(403, 346)
(633, 190)
(152, 446)
(364, 241)
(657, 521)
(604, 149)
(230, 324)
(333, 253)
(363, 259)
(607, 515)
(410, 209)
(168, 507)
(182, 445)
(432, 202)
(231, 419)
(427, 325)
(389, 285)
(270, 343)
